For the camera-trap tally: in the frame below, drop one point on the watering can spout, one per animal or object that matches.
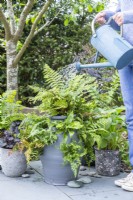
(79, 66)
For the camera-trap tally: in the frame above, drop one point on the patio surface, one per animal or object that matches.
(34, 188)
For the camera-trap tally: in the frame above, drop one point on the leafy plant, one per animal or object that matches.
(107, 128)
(10, 137)
(11, 116)
(10, 109)
(71, 154)
(60, 98)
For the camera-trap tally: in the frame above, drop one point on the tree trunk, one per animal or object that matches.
(12, 71)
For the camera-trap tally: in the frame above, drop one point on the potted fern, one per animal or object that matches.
(107, 129)
(63, 105)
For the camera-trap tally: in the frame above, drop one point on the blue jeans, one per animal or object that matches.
(126, 82)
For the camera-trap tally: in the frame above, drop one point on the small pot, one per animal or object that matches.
(107, 162)
(13, 163)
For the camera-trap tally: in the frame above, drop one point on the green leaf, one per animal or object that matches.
(90, 8)
(59, 125)
(33, 19)
(66, 22)
(75, 125)
(71, 133)
(69, 118)
(61, 103)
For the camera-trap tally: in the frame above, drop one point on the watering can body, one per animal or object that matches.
(112, 46)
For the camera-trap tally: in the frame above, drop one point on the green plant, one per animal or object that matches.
(10, 109)
(38, 131)
(35, 134)
(11, 116)
(10, 138)
(61, 98)
(107, 128)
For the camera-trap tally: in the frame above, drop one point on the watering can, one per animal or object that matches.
(111, 45)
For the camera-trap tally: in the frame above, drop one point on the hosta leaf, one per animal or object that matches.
(105, 123)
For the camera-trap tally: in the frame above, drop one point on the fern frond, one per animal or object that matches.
(36, 89)
(52, 78)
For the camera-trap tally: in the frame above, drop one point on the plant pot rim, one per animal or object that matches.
(109, 150)
(12, 150)
(58, 117)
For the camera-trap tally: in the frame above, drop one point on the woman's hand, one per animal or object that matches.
(100, 18)
(118, 18)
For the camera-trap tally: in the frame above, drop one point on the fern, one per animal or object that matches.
(52, 78)
(9, 109)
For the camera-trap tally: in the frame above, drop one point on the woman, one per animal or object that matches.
(123, 15)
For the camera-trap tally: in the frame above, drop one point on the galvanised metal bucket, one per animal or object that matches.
(112, 45)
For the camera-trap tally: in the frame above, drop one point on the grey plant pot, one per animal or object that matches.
(13, 163)
(54, 170)
(107, 162)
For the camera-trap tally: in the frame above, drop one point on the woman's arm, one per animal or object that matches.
(128, 17)
(109, 14)
(104, 16)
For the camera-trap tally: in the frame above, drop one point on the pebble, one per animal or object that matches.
(25, 175)
(82, 168)
(75, 184)
(83, 173)
(91, 173)
(85, 180)
(97, 176)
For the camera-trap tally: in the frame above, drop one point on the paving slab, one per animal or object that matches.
(112, 195)
(34, 188)
(100, 188)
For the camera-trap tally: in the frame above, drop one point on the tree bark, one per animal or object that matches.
(12, 71)
(13, 33)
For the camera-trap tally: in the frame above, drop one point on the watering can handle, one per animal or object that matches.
(108, 22)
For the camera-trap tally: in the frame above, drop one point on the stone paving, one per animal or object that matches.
(34, 188)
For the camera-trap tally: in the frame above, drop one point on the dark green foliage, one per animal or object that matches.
(62, 98)
(10, 110)
(2, 70)
(57, 45)
(58, 48)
